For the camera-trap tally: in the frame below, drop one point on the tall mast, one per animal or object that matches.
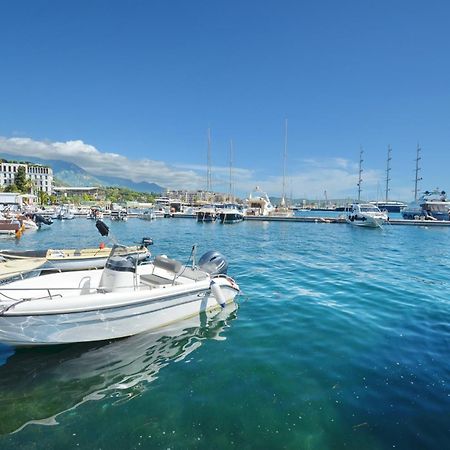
(388, 170)
(361, 151)
(417, 179)
(231, 171)
(283, 198)
(208, 164)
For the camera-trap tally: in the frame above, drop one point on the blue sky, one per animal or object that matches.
(131, 88)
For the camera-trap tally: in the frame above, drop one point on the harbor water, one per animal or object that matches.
(341, 340)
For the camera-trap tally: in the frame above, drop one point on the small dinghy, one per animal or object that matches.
(16, 269)
(123, 299)
(74, 259)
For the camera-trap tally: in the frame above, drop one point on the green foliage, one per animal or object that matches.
(111, 195)
(20, 180)
(11, 188)
(44, 198)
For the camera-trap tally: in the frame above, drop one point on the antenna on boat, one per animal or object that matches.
(194, 251)
(283, 198)
(231, 170)
(208, 164)
(388, 170)
(361, 151)
(417, 179)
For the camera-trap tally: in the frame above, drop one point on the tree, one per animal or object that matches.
(11, 188)
(23, 183)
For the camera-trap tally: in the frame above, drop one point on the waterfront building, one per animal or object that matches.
(63, 191)
(41, 176)
(198, 197)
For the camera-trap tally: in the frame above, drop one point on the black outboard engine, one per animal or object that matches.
(38, 219)
(146, 241)
(213, 262)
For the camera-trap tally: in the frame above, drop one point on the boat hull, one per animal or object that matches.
(231, 217)
(143, 315)
(84, 306)
(368, 223)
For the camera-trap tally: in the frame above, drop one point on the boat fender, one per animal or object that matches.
(217, 292)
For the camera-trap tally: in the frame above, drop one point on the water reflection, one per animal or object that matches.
(39, 384)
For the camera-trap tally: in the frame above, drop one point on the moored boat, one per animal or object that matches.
(258, 203)
(74, 259)
(432, 205)
(206, 213)
(365, 215)
(123, 299)
(231, 213)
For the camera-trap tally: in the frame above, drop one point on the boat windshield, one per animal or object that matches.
(369, 209)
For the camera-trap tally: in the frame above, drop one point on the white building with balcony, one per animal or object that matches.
(41, 176)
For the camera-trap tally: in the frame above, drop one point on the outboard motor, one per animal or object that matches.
(213, 262)
(38, 219)
(119, 273)
(146, 241)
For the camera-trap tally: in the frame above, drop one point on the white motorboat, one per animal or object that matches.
(432, 205)
(206, 213)
(365, 215)
(119, 214)
(123, 299)
(231, 213)
(95, 212)
(258, 204)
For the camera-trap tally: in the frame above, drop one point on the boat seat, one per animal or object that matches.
(163, 262)
(153, 279)
(165, 271)
(193, 274)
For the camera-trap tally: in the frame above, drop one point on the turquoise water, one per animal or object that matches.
(341, 341)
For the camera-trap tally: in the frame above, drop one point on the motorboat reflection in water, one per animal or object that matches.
(95, 371)
(123, 299)
(432, 205)
(365, 215)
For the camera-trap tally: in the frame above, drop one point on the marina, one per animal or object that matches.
(225, 226)
(310, 346)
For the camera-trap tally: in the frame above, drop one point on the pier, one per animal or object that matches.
(313, 219)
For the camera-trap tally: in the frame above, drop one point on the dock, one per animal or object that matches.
(418, 222)
(340, 220)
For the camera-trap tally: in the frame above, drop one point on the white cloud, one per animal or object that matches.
(101, 163)
(337, 176)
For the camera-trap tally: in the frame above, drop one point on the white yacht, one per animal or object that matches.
(231, 213)
(207, 213)
(365, 215)
(432, 205)
(258, 203)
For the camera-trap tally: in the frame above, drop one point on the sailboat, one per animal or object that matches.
(231, 212)
(282, 209)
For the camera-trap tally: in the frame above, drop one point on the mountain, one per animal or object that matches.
(72, 175)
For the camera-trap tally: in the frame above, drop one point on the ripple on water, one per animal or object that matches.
(341, 341)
